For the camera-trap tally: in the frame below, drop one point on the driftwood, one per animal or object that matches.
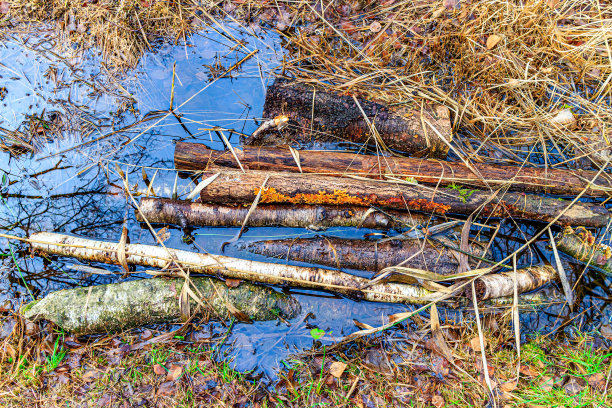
(502, 284)
(363, 255)
(583, 246)
(315, 217)
(276, 274)
(290, 188)
(120, 306)
(323, 115)
(197, 157)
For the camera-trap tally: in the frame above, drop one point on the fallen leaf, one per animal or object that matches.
(574, 386)
(597, 381)
(375, 27)
(564, 117)
(337, 369)
(475, 344)
(91, 375)
(232, 283)
(4, 7)
(174, 372)
(437, 401)
(552, 3)
(546, 384)
(452, 4)
(163, 234)
(528, 371)
(492, 41)
(159, 369)
(508, 386)
(166, 389)
(146, 335)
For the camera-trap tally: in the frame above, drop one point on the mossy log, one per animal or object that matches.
(583, 246)
(120, 306)
(315, 217)
(291, 188)
(363, 255)
(263, 272)
(318, 114)
(502, 284)
(197, 157)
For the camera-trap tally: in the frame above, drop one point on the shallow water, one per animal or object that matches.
(83, 194)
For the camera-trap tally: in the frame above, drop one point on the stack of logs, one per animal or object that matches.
(263, 185)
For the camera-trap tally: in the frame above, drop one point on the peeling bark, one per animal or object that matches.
(289, 188)
(362, 255)
(324, 115)
(502, 284)
(197, 157)
(582, 245)
(263, 272)
(315, 217)
(120, 306)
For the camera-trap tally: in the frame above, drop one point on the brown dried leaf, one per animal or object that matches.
(174, 373)
(528, 371)
(546, 384)
(4, 7)
(91, 375)
(146, 335)
(375, 27)
(337, 369)
(232, 283)
(508, 386)
(493, 40)
(437, 401)
(159, 369)
(164, 234)
(574, 386)
(452, 4)
(475, 344)
(597, 381)
(166, 389)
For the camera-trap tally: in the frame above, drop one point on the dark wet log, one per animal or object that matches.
(291, 188)
(583, 246)
(120, 306)
(263, 272)
(502, 284)
(361, 254)
(316, 217)
(197, 157)
(322, 115)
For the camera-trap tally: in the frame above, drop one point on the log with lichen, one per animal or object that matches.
(502, 284)
(120, 306)
(583, 246)
(316, 217)
(197, 157)
(227, 267)
(364, 254)
(323, 115)
(291, 188)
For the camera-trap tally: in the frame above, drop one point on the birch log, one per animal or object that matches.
(502, 284)
(315, 217)
(276, 274)
(361, 254)
(322, 115)
(197, 157)
(120, 306)
(291, 188)
(583, 246)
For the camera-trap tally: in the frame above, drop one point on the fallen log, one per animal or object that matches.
(582, 245)
(315, 217)
(500, 285)
(320, 114)
(363, 255)
(197, 157)
(290, 188)
(263, 272)
(120, 306)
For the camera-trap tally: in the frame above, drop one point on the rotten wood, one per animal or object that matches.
(583, 246)
(322, 114)
(290, 188)
(223, 266)
(362, 254)
(502, 284)
(315, 217)
(119, 306)
(197, 157)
